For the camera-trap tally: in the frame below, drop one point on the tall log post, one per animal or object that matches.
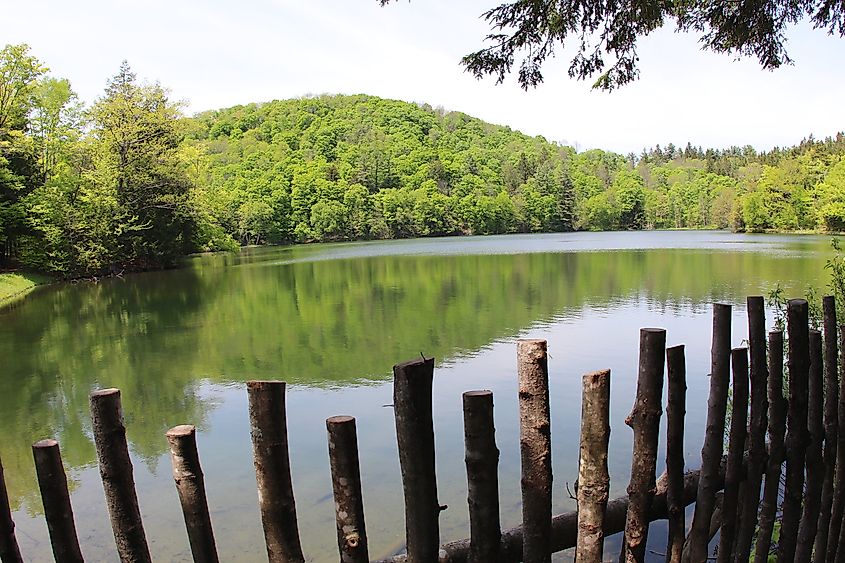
(645, 422)
(117, 477)
(815, 463)
(733, 473)
(482, 463)
(797, 433)
(269, 433)
(593, 476)
(535, 449)
(352, 541)
(695, 549)
(52, 482)
(757, 427)
(676, 372)
(838, 552)
(831, 428)
(190, 484)
(777, 449)
(412, 388)
(9, 551)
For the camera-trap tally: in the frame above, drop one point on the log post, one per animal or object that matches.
(757, 427)
(346, 486)
(834, 551)
(269, 432)
(733, 473)
(412, 388)
(815, 463)
(116, 473)
(777, 449)
(535, 449)
(831, 428)
(593, 476)
(676, 372)
(9, 551)
(482, 462)
(190, 484)
(695, 549)
(797, 433)
(52, 482)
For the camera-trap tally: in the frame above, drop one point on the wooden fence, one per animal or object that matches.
(804, 441)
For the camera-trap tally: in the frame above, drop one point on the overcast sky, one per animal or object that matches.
(219, 53)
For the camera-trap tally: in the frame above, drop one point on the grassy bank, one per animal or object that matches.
(17, 284)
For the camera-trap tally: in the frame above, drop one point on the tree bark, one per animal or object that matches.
(831, 428)
(352, 541)
(9, 551)
(815, 463)
(675, 412)
(58, 512)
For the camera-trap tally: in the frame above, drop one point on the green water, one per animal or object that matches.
(331, 320)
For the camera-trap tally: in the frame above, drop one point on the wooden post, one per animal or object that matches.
(757, 427)
(9, 551)
(269, 432)
(187, 473)
(536, 450)
(117, 477)
(412, 387)
(346, 485)
(675, 411)
(482, 462)
(593, 476)
(834, 552)
(777, 449)
(733, 473)
(831, 428)
(815, 463)
(797, 434)
(52, 482)
(695, 550)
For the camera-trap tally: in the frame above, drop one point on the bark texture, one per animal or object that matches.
(9, 551)
(346, 485)
(58, 512)
(675, 412)
(831, 428)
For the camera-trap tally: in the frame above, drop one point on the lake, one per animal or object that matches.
(331, 320)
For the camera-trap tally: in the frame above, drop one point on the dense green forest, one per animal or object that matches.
(129, 183)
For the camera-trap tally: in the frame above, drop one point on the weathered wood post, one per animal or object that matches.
(52, 482)
(831, 427)
(796, 425)
(269, 432)
(815, 463)
(757, 427)
(412, 388)
(837, 529)
(695, 549)
(777, 449)
(676, 372)
(346, 488)
(190, 484)
(535, 449)
(645, 422)
(736, 447)
(9, 551)
(482, 463)
(117, 476)
(593, 476)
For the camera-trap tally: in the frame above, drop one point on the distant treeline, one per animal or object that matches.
(128, 184)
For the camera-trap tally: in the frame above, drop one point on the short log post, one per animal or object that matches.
(676, 372)
(695, 549)
(831, 427)
(797, 433)
(52, 482)
(482, 462)
(757, 427)
(412, 405)
(9, 551)
(644, 420)
(190, 484)
(593, 476)
(269, 432)
(736, 446)
(777, 449)
(535, 449)
(815, 463)
(346, 485)
(116, 473)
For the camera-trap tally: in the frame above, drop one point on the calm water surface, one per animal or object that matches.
(331, 320)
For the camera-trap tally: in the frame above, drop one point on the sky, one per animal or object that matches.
(218, 53)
